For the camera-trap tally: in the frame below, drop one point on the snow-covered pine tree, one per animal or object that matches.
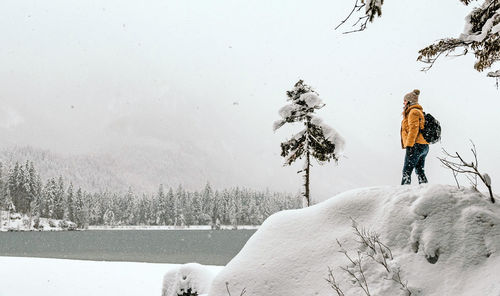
(16, 183)
(59, 199)
(317, 139)
(81, 209)
(216, 206)
(207, 199)
(197, 206)
(170, 211)
(2, 189)
(188, 208)
(49, 198)
(70, 204)
(128, 207)
(180, 198)
(162, 206)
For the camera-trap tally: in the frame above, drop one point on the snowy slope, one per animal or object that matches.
(291, 253)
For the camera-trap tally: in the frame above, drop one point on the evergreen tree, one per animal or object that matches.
(207, 200)
(216, 206)
(2, 188)
(7, 199)
(180, 199)
(197, 208)
(317, 140)
(81, 213)
(70, 206)
(126, 207)
(170, 207)
(95, 211)
(188, 208)
(142, 209)
(60, 202)
(163, 205)
(18, 188)
(50, 198)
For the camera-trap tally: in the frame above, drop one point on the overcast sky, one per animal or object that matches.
(91, 76)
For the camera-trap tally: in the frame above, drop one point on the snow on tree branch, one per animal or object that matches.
(330, 134)
(480, 35)
(317, 139)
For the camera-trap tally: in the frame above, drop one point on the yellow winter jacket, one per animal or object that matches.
(411, 125)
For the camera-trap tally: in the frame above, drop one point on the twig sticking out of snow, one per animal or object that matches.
(371, 247)
(470, 169)
(333, 283)
(229, 293)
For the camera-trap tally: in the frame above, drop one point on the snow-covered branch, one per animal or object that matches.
(480, 35)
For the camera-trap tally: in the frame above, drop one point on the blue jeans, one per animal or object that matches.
(415, 159)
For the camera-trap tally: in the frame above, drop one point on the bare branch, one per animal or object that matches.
(357, 7)
(371, 247)
(374, 9)
(469, 169)
(333, 283)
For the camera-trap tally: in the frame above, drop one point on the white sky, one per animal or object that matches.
(87, 76)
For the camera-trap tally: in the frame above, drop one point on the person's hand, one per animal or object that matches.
(410, 149)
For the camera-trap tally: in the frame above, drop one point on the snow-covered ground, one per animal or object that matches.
(444, 241)
(61, 277)
(21, 222)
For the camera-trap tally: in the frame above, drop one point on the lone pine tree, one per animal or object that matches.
(316, 140)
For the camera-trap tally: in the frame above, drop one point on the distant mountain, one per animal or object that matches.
(91, 172)
(142, 168)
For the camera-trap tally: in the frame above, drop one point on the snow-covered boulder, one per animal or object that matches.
(21, 222)
(189, 279)
(444, 240)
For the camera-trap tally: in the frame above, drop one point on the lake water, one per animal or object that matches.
(158, 246)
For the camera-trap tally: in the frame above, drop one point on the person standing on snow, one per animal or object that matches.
(412, 140)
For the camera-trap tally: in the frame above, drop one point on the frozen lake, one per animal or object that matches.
(157, 246)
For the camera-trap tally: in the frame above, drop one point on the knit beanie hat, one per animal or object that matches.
(413, 96)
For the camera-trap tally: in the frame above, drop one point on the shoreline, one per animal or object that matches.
(170, 227)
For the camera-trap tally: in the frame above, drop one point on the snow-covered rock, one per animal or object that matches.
(189, 278)
(445, 241)
(21, 222)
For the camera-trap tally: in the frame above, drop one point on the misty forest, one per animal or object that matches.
(23, 190)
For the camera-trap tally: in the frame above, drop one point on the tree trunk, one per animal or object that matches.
(306, 177)
(308, 164)
(491, 195)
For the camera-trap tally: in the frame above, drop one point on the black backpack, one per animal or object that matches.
(432, 129)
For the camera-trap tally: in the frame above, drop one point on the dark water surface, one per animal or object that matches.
(159, 246)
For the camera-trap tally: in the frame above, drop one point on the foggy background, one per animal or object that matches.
(185, 92)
